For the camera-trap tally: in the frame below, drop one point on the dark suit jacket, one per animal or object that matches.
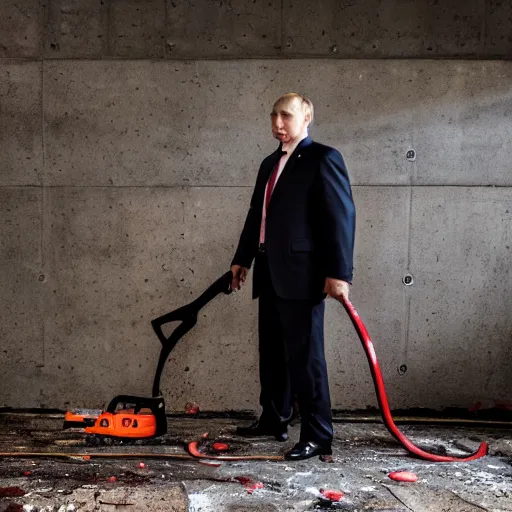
(309, 232)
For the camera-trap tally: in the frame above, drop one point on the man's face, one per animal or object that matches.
(289, 120)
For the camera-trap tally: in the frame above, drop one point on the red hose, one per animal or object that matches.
(383, 399)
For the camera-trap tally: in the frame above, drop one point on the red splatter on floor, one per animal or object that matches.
(11, 492)
(249, 484)
(403, 476)
(332, 495)
(220, 447)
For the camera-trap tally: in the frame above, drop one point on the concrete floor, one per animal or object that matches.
(364, 456)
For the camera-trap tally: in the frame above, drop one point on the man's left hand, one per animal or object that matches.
(336, 288)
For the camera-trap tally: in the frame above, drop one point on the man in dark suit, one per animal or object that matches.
(300, 231)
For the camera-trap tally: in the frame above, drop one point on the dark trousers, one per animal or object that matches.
(292, 361)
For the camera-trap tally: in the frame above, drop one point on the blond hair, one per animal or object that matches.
(307, 104)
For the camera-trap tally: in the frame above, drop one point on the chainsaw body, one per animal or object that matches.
(126, 416)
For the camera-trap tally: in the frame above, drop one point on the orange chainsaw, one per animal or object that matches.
(135, 417)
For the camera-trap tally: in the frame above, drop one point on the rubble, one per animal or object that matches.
(363, 456)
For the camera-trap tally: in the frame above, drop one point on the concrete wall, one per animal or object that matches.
(131, 132)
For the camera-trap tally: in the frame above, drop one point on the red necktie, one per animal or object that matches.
(268, 193)
(271, 184)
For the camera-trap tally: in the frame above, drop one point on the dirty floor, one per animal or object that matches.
(364, 455)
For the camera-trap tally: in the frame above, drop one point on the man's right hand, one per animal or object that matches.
(239, 276)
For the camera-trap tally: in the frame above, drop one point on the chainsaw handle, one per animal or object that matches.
(189, 312)
(138, 402)
(188, 317)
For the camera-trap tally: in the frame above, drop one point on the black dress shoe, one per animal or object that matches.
(257, 429)
(305, 450)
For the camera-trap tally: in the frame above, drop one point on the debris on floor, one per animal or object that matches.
(364, 458)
